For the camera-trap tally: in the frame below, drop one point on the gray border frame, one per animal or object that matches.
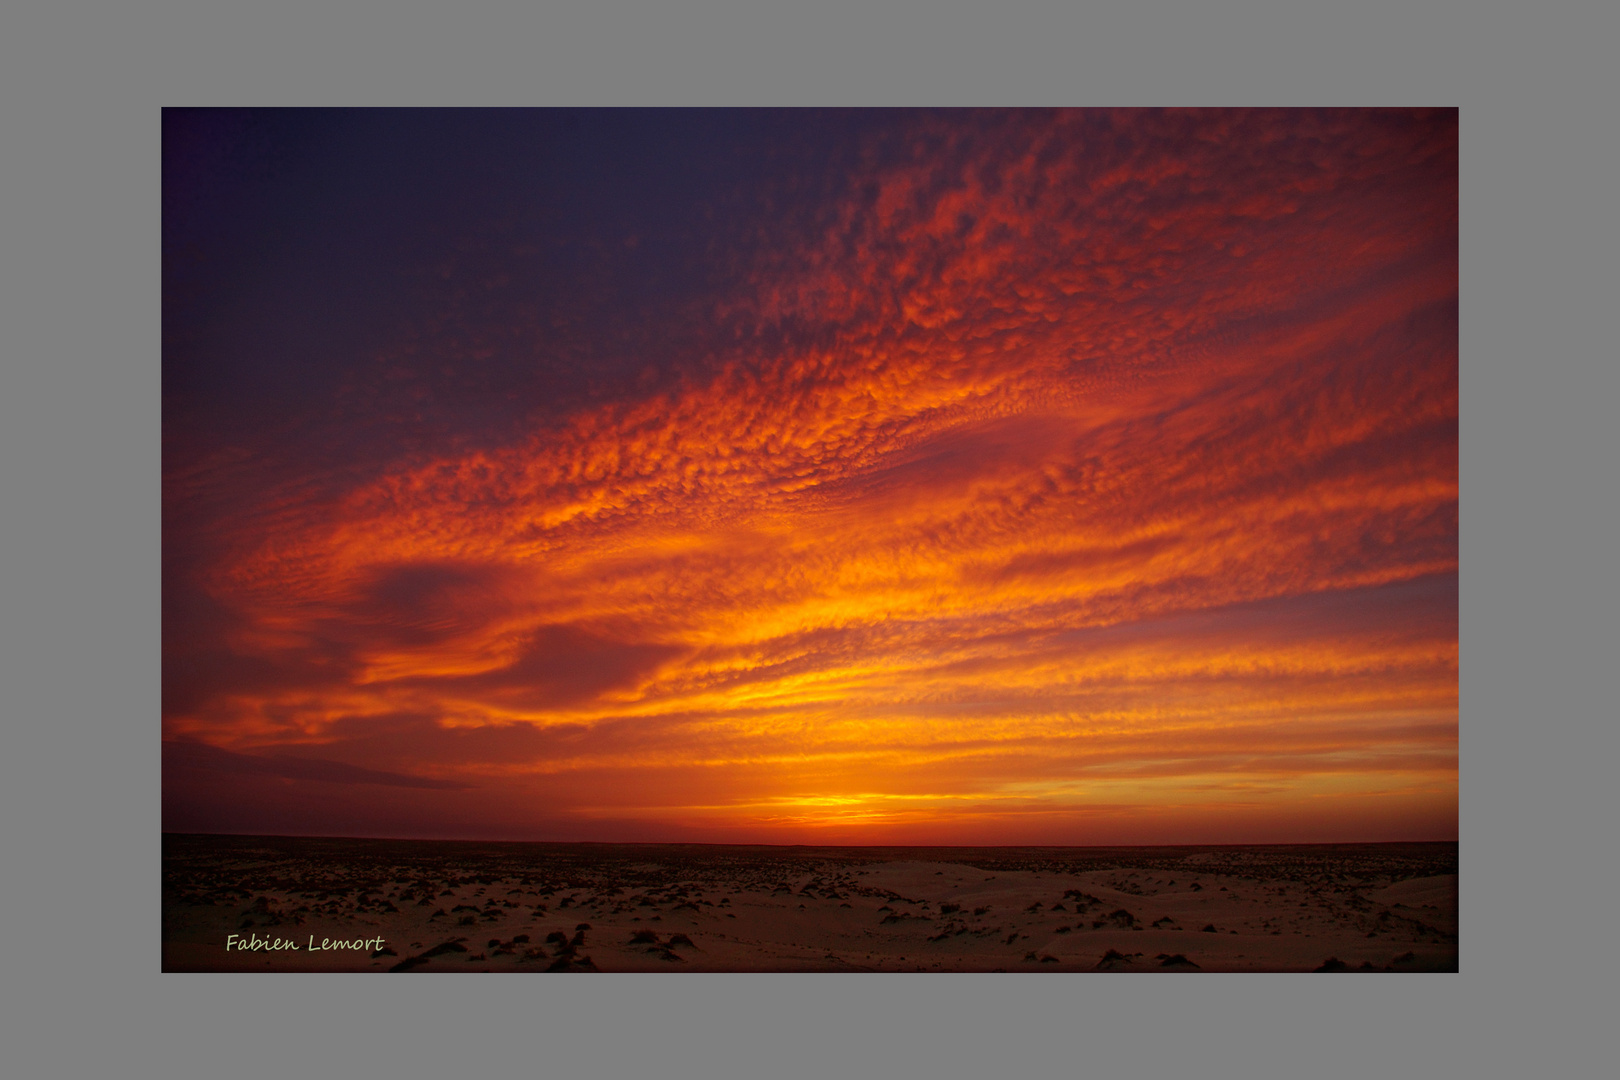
(80, 536)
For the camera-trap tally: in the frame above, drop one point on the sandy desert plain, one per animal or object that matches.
(536, 907)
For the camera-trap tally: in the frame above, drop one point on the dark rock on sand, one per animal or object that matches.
(1113, 958)
(453, 945)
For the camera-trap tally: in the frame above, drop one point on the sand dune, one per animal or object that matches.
(431, 906)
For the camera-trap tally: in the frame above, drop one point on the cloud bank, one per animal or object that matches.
(1043, 476)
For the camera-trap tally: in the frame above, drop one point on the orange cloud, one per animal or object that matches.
(1073, 474)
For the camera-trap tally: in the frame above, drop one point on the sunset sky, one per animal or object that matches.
(811, 477)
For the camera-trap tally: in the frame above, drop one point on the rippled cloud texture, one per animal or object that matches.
(1022, 477)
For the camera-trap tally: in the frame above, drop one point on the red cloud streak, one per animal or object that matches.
(1069, 478)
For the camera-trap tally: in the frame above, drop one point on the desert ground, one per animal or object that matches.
(419, 906)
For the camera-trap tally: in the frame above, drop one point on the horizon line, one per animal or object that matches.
(697, 843)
